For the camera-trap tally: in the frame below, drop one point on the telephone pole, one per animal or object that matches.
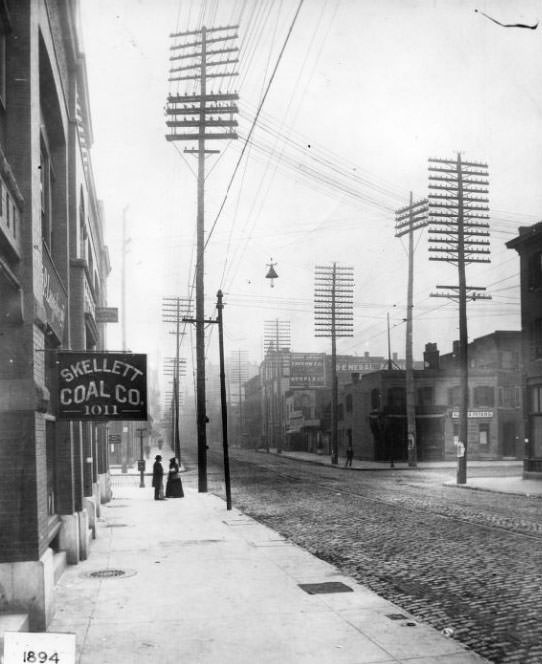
(173, 310)
(458, 214)
(192, 117)
(238, 366)
(276, 343)
(334, 317)
(407, 220)
(126, 427)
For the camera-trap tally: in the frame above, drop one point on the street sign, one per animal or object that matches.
(107, 315)
(101, 386)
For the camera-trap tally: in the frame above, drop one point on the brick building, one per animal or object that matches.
(53, 266)
(373, 406)
(528, 244)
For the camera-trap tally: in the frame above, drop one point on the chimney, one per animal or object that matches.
(455, 348)
(366, 354)
(355, 378)
(431, 356)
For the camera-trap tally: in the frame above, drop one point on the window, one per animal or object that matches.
(46, 186)
(348, 403)
(483, 395)
(454, 395)
(483, 432)
(509, 396)
(425, 396)
(396, 397)
(536, 399)
(535, 270)
(536, 332)
(375, 399)
(2, 63)
(82, 227)
(509, 359)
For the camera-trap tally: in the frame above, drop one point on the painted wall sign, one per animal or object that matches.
(475, 413)
(307, 370)
(102, 386)
(107, 315)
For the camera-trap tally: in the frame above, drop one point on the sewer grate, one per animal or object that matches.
(326, 587)
(396, 616)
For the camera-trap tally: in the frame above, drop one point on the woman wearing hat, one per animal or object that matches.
(174, 486)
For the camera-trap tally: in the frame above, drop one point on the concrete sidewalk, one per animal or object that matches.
(198, 584)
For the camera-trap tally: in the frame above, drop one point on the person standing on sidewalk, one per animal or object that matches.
(174, 485)
(158, 478)
(349, 456)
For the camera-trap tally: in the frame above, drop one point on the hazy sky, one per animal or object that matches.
(365, 92)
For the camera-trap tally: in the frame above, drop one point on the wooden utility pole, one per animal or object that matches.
(334, 317)
(174, 309)
(276, 344)
(407, 220)
(458, 211)
(220, 307)
(198, 114)
(126, 428)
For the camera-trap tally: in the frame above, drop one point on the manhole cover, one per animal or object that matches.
(396, 616)
(326, 587)
(109, 573)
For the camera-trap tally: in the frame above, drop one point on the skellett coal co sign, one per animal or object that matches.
(99, 385)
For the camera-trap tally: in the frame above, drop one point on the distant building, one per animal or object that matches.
(528, 244)
(295, 412)
(372, 411)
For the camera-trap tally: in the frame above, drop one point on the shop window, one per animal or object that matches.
(483, 433)
(483, 395)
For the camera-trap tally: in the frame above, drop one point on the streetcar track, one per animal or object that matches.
(325, 483)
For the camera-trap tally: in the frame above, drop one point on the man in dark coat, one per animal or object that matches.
(157, 478)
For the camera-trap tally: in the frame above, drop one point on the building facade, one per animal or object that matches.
(373, 406)
(528, 244)
(53, 269)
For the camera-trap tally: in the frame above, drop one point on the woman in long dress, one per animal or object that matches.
(174, 486)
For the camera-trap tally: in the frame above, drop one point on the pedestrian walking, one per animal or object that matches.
(349, 456)
(174, 485)
(158, 478)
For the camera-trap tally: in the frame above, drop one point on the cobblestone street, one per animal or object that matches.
(466, 560)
